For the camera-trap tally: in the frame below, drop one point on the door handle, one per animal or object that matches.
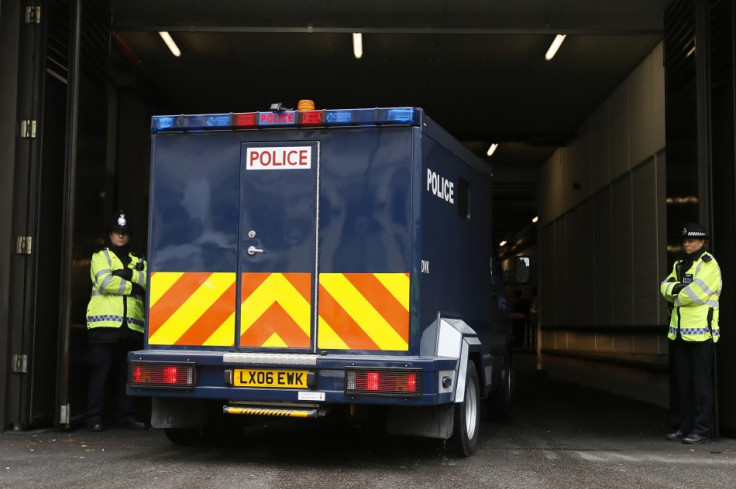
(252, 250)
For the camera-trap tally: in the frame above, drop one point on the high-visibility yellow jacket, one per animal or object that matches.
(694, 294)
(113, 302)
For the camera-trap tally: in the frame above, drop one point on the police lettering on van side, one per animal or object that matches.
(440, 186)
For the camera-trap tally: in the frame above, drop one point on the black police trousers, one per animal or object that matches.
(107, 359)
(694, 365)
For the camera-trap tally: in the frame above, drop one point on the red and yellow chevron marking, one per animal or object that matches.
(364, 311)
(192, 308)
(275, 310)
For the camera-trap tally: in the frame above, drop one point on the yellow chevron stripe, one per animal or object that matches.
(328, 339)
(160, 283)
(205, 295)
(397, 284)
(224, 335)
(275, 341)
(276, 288)
(362, 312)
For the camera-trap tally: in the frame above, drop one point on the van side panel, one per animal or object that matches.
(457, 248)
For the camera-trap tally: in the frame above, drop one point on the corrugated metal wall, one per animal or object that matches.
(605, 255)
(723, 85)
(700, 95)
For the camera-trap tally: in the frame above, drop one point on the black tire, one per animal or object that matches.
(185, 436)
(500, 399)
(466, 427)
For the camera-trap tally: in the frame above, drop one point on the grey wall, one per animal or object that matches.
(603, 246)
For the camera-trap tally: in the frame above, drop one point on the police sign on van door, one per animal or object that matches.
(279, 158)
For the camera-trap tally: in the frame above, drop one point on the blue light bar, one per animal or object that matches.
(350, 117)
(343, 117)
(205, 121)
(398, 115)
(191, 122)
(162, 123)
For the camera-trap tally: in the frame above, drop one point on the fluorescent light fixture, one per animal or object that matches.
(170, 43)
(492, 149)
(358, 45)
(554, 46)
(536, 219)
(502, 243)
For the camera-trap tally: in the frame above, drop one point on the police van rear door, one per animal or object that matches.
(277, 245)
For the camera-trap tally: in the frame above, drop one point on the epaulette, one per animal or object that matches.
(707, 257)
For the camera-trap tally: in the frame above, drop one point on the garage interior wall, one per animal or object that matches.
(602, 245)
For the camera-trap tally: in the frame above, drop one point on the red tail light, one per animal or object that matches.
(387, 382)
(162, 375)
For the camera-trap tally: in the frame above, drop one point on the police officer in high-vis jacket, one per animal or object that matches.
(114, 322)
(693, 288)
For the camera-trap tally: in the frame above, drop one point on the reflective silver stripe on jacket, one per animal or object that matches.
(703, 286)
(692, 295)
(102, 272)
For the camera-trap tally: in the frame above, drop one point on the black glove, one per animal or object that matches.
(138, 290)
(677, 288)
(125, 273)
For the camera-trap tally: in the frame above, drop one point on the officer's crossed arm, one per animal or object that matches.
(670, 287)
(706, 285)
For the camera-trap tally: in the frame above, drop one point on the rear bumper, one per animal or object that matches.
(327, 377)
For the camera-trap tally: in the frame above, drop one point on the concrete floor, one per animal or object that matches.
(559, 436)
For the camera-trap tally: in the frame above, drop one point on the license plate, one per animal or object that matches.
(288, 379)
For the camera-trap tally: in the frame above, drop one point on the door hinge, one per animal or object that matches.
(19, 364)
(28, 129)
(64, 417)
(33, 14)
(24, 245)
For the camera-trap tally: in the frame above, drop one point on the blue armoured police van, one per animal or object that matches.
(306, 263)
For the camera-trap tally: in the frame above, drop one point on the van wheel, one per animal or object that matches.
(184, 436)
(466, 425)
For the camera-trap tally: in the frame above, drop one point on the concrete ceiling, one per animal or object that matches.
(476, 66)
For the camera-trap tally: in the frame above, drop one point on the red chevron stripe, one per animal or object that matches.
(275, 320)
(212, 318)
(382, 300)
(302, 282)
(343, 324)
(250, 283)
(173, 298)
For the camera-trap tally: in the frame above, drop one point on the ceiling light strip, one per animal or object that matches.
(559, 38)
(358, 45)
(170, 43)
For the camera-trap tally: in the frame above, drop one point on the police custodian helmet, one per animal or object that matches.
(694, 230)
(119, 222)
